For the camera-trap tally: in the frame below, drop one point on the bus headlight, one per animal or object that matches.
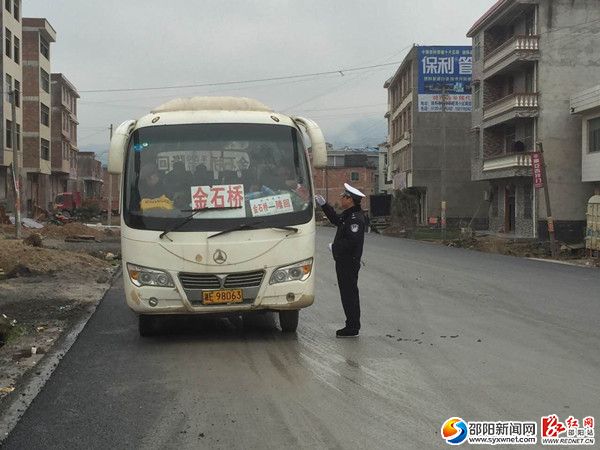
(144, 276)
(299, 271)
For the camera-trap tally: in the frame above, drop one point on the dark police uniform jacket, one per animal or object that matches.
(349, 238)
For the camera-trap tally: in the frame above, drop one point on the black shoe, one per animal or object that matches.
(346, 333)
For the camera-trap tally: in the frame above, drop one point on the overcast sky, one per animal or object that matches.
(116, 44)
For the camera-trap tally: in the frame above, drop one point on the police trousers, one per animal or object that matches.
(347, 276)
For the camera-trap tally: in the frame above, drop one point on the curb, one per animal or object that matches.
(31, 384)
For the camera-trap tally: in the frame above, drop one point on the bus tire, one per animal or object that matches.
(288, 320)
(148, 325)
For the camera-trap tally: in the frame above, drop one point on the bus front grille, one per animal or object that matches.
(199, 281)
(230, 281)
(244, 280)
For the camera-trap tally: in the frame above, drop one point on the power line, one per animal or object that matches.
(228, 83)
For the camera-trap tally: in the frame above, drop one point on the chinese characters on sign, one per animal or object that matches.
(268, 206)
(446, 69)
(219, 197)
(536, 167)
(570, 432)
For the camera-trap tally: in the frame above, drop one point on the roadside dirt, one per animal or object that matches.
(45, 291)
(526, 248)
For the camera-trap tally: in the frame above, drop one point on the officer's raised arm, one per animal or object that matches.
(328, 210)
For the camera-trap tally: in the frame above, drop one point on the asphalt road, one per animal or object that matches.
(446, 332)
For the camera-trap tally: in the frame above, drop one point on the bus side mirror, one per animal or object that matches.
(317, 141)
(118, 143)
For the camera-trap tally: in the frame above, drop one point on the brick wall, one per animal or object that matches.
(492, 141)
(337, 176)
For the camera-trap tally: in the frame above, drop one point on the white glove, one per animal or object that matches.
(320, 200)
(330, 247)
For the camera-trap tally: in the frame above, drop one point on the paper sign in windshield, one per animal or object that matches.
(220, 197)
(269, 206)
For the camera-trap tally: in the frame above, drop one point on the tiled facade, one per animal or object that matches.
(415, 144)
(524, 72)
(38, 34)
(10, 64)
(64, 176)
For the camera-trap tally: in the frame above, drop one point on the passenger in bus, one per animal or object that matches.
(178, 182)
(151, 184)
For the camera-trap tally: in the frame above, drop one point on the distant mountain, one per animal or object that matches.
(360, 133)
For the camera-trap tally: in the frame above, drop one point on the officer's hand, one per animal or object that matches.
(330, 247)
(320, 200)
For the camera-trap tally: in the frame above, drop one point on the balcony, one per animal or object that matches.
(402, 142)
(511, 53)
(511, 107)
(508, 161)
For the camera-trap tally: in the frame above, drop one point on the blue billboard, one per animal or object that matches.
(446, 69)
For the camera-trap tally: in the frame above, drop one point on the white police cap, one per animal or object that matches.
(353, 191)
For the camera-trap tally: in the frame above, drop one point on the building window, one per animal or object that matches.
(7, 4)
(476, 48)
(476, 89)
(510, 85)
(45, 48)
(8, 134)
(17, 93)
(44, 115)
(594, 135)
(17, 49)
(530, 24)
(509, 138)
(45, 149)
(8, 42)
(45, 80)
(8, 85)
(354, 176)
(16, 10)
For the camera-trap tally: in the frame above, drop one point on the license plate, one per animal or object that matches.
(223, 296)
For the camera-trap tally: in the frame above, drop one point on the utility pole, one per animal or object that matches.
(443, 164)
(549, 217)
(16, 164)
(109, 213)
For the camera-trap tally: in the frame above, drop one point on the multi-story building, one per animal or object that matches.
(529, 57)
(64, 176)
(385, 181)
(89, 171)
(429, 142)
(357, 167)
(587, 105)
(38, 34)
(10, 65)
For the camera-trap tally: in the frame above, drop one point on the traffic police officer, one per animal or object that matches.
(347, 248)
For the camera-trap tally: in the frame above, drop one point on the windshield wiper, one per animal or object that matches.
(190, 217)
(244, 226)
(294, 229)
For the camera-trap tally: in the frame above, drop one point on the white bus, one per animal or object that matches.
(217, 212)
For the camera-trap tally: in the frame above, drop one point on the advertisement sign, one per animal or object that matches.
(446, 69)
(536, 169)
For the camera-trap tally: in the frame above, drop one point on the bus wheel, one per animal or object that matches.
(148, 325)
(288, 320)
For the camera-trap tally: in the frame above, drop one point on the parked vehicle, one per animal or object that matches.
(68, 201)
(381, 211)
(217, 210)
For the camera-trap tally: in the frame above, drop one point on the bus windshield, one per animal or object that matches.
(231, 171)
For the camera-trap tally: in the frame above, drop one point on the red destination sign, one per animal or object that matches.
(536, 166)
